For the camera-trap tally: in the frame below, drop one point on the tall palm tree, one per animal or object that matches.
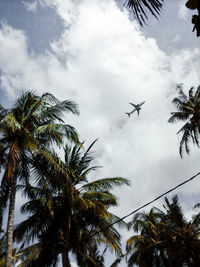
(165, 238)
(29, 128)
(188, 111)
(68, 210)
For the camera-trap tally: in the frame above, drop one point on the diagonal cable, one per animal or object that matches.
(145, 205)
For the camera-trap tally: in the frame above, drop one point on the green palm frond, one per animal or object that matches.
(117, 220)
(83, 204)
(57, 165)
(31, 228)
(56, 132)
(113, 242)
(9, 123)
(106, 184)
(49, 98)
(188, 110)
(105, 198)
(23, 103)
(28, 255)
(55, 112)
(31, 111)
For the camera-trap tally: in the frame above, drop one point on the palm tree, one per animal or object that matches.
(29, 128)
(144, 249)
(188, 111)
(68, 210)
(181, 236)
(166, 238)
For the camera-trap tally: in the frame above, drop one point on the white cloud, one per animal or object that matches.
(67, 10)
(31, 6)
(107, 63)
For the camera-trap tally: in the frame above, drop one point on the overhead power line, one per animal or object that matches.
(145, 205)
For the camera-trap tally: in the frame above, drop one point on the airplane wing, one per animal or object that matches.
(133, 105)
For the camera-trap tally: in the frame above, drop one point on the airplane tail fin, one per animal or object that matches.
(128, 114)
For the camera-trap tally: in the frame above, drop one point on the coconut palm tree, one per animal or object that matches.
(68, 210)
(145, 248)
(188, 111)
(182, 236)
(30, 127)
(165, 238)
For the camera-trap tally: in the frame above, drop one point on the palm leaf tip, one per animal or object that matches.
(107, 183)
(142, 7)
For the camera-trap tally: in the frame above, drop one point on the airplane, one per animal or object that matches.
(137, 108)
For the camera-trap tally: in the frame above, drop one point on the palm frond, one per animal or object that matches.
(106, 184)
(141, 7)
(197, 94)
(182, 95)
(116, 219)
(178, 116)
(184, 140)
(116, 262)
(191, 93)
(55, 133)
(105, 198)
(29, 254)
(178, 103)
(32, 109)
(56, 111)
(9, 123)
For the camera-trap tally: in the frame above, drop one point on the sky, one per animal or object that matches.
(95, 53)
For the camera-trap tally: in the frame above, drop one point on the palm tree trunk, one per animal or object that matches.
(65, 254)
(67, 226)
(65, 259)
(10, 224)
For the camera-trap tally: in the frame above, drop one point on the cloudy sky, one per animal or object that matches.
(96, 54)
